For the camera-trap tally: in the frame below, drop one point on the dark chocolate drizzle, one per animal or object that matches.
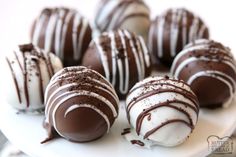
(14, 79)
(24, 72)
(126, 131)
(188, 93)
(48, 62)
(165, 104)
(17, 58)
(158, 91)
(149, 116)
(165, 123)
(26, 47)
(40, 80)
(36, 55)
(25, 80)
(138, 142)
(156, 82)
(168, 103)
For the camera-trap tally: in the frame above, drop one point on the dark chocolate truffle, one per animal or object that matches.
(120, 56)
(162, 111)
(81, 105)
(26, 72)
(62, 31)
(133, 15)
(171, 31)
(209, 68)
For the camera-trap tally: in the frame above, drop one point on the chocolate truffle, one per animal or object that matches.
(62, 31)
(171, 31)
(81, 105)
(133, 15)
(162, 111)
(120, 56)
(27, 71)
(209, 68)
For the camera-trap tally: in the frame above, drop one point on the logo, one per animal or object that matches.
(219, 145)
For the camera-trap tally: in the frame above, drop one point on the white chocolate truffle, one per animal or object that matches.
(28, 70)
(133, 15)
(162, 111)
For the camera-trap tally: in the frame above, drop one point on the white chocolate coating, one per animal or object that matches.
(163, 111)
(27, 74)
(118, 14)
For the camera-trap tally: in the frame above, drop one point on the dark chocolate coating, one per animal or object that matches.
(171, 31)
(128, 60)
(80, 104)
(64, 32)
(211, 73)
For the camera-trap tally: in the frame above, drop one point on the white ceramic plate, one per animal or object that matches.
(26, 132)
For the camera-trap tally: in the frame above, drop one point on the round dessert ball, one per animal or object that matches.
(171, 31)
(162, 110)
(27, 71)
(120, 56)
(133, 15)
(64, 32)
(210, 69)
(81, 105)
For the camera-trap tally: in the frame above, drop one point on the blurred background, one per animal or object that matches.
(17, 17)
